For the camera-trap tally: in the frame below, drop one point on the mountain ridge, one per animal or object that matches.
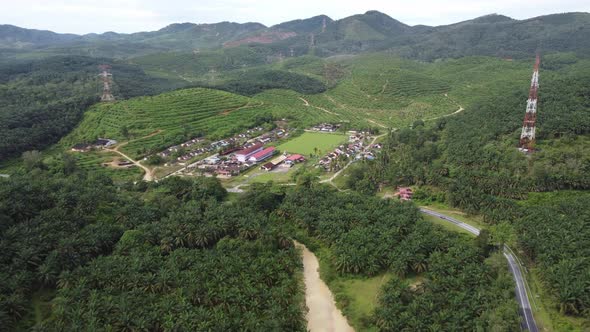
(492, 34)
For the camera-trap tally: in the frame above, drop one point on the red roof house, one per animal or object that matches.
(261, 155)
(404, 193)
(245, 154)
(295, 158)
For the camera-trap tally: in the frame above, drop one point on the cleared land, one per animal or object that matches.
(308, 142)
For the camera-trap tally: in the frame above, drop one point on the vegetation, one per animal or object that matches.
(553, 232)
(87, 246)
(473, 164)
(401, 243)
(142, 257)
(42, 100)
(155, 123)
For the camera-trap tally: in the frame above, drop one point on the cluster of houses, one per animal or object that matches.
(227, 146)
(326, 127)
(100, 143)
(235, 162)
(195, 147)
(355, 148)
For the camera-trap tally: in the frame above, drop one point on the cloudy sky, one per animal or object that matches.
(84, 16)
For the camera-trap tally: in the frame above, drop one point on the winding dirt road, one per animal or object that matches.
(322, 315)
(148, 172)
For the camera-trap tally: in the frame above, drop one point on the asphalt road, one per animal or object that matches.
(528, 321)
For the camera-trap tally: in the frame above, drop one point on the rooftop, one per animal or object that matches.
(264, 152)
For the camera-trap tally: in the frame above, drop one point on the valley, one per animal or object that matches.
(357, 174)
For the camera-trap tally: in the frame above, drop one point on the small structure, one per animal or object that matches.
(245, 154)
(294, 158)
(104, 142)
(262, 155)
(82, 147)
(404, 193)
(268, 166)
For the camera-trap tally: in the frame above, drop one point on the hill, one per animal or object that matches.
(42, 100)
(170, 118)
(493, 35)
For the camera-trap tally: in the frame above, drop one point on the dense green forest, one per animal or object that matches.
(366, 235)
(43, 100)
(167, 256)
(84, 253)
(471, 162)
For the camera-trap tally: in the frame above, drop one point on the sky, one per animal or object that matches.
(125, 16)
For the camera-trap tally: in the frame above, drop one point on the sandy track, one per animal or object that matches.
(323, 315)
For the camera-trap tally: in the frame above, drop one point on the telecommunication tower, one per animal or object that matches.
(527, 136)
(106, 79)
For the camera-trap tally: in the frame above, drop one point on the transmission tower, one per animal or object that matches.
(107, 81)
(324, 25)
(527, 136)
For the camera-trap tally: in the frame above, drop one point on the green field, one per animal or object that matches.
(307, 142)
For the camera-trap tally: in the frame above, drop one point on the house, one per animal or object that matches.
(82, 147)
(404, 193)
(261, 155)
(279, 160)
(104, 142)
(268, 166)
(245, 154)
(294, 158)
(228, 151)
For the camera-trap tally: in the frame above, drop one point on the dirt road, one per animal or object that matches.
(323, 315)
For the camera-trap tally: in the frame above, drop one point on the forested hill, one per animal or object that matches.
(42, 100)
(494, 35)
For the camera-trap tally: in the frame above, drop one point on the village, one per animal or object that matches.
(257, 147)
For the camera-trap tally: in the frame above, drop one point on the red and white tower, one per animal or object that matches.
(106, 78)
(527, 136)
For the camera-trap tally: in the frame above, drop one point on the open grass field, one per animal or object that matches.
(308, 142)
(362, 295)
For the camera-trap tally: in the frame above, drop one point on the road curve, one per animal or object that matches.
(528, 320)
(148, 173)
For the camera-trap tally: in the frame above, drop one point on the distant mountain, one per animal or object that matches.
(499, 35)
(495, 35)
(182, 36)
(14, 37)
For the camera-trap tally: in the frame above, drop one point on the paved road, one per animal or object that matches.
(528, 321)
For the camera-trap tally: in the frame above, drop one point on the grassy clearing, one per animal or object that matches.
(308, 142)
(361, 296)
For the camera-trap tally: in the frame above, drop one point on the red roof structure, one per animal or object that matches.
(295, 157)
(404, 193)
(249, 150)
(261, 155)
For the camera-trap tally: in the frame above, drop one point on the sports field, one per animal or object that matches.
(308, 142)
